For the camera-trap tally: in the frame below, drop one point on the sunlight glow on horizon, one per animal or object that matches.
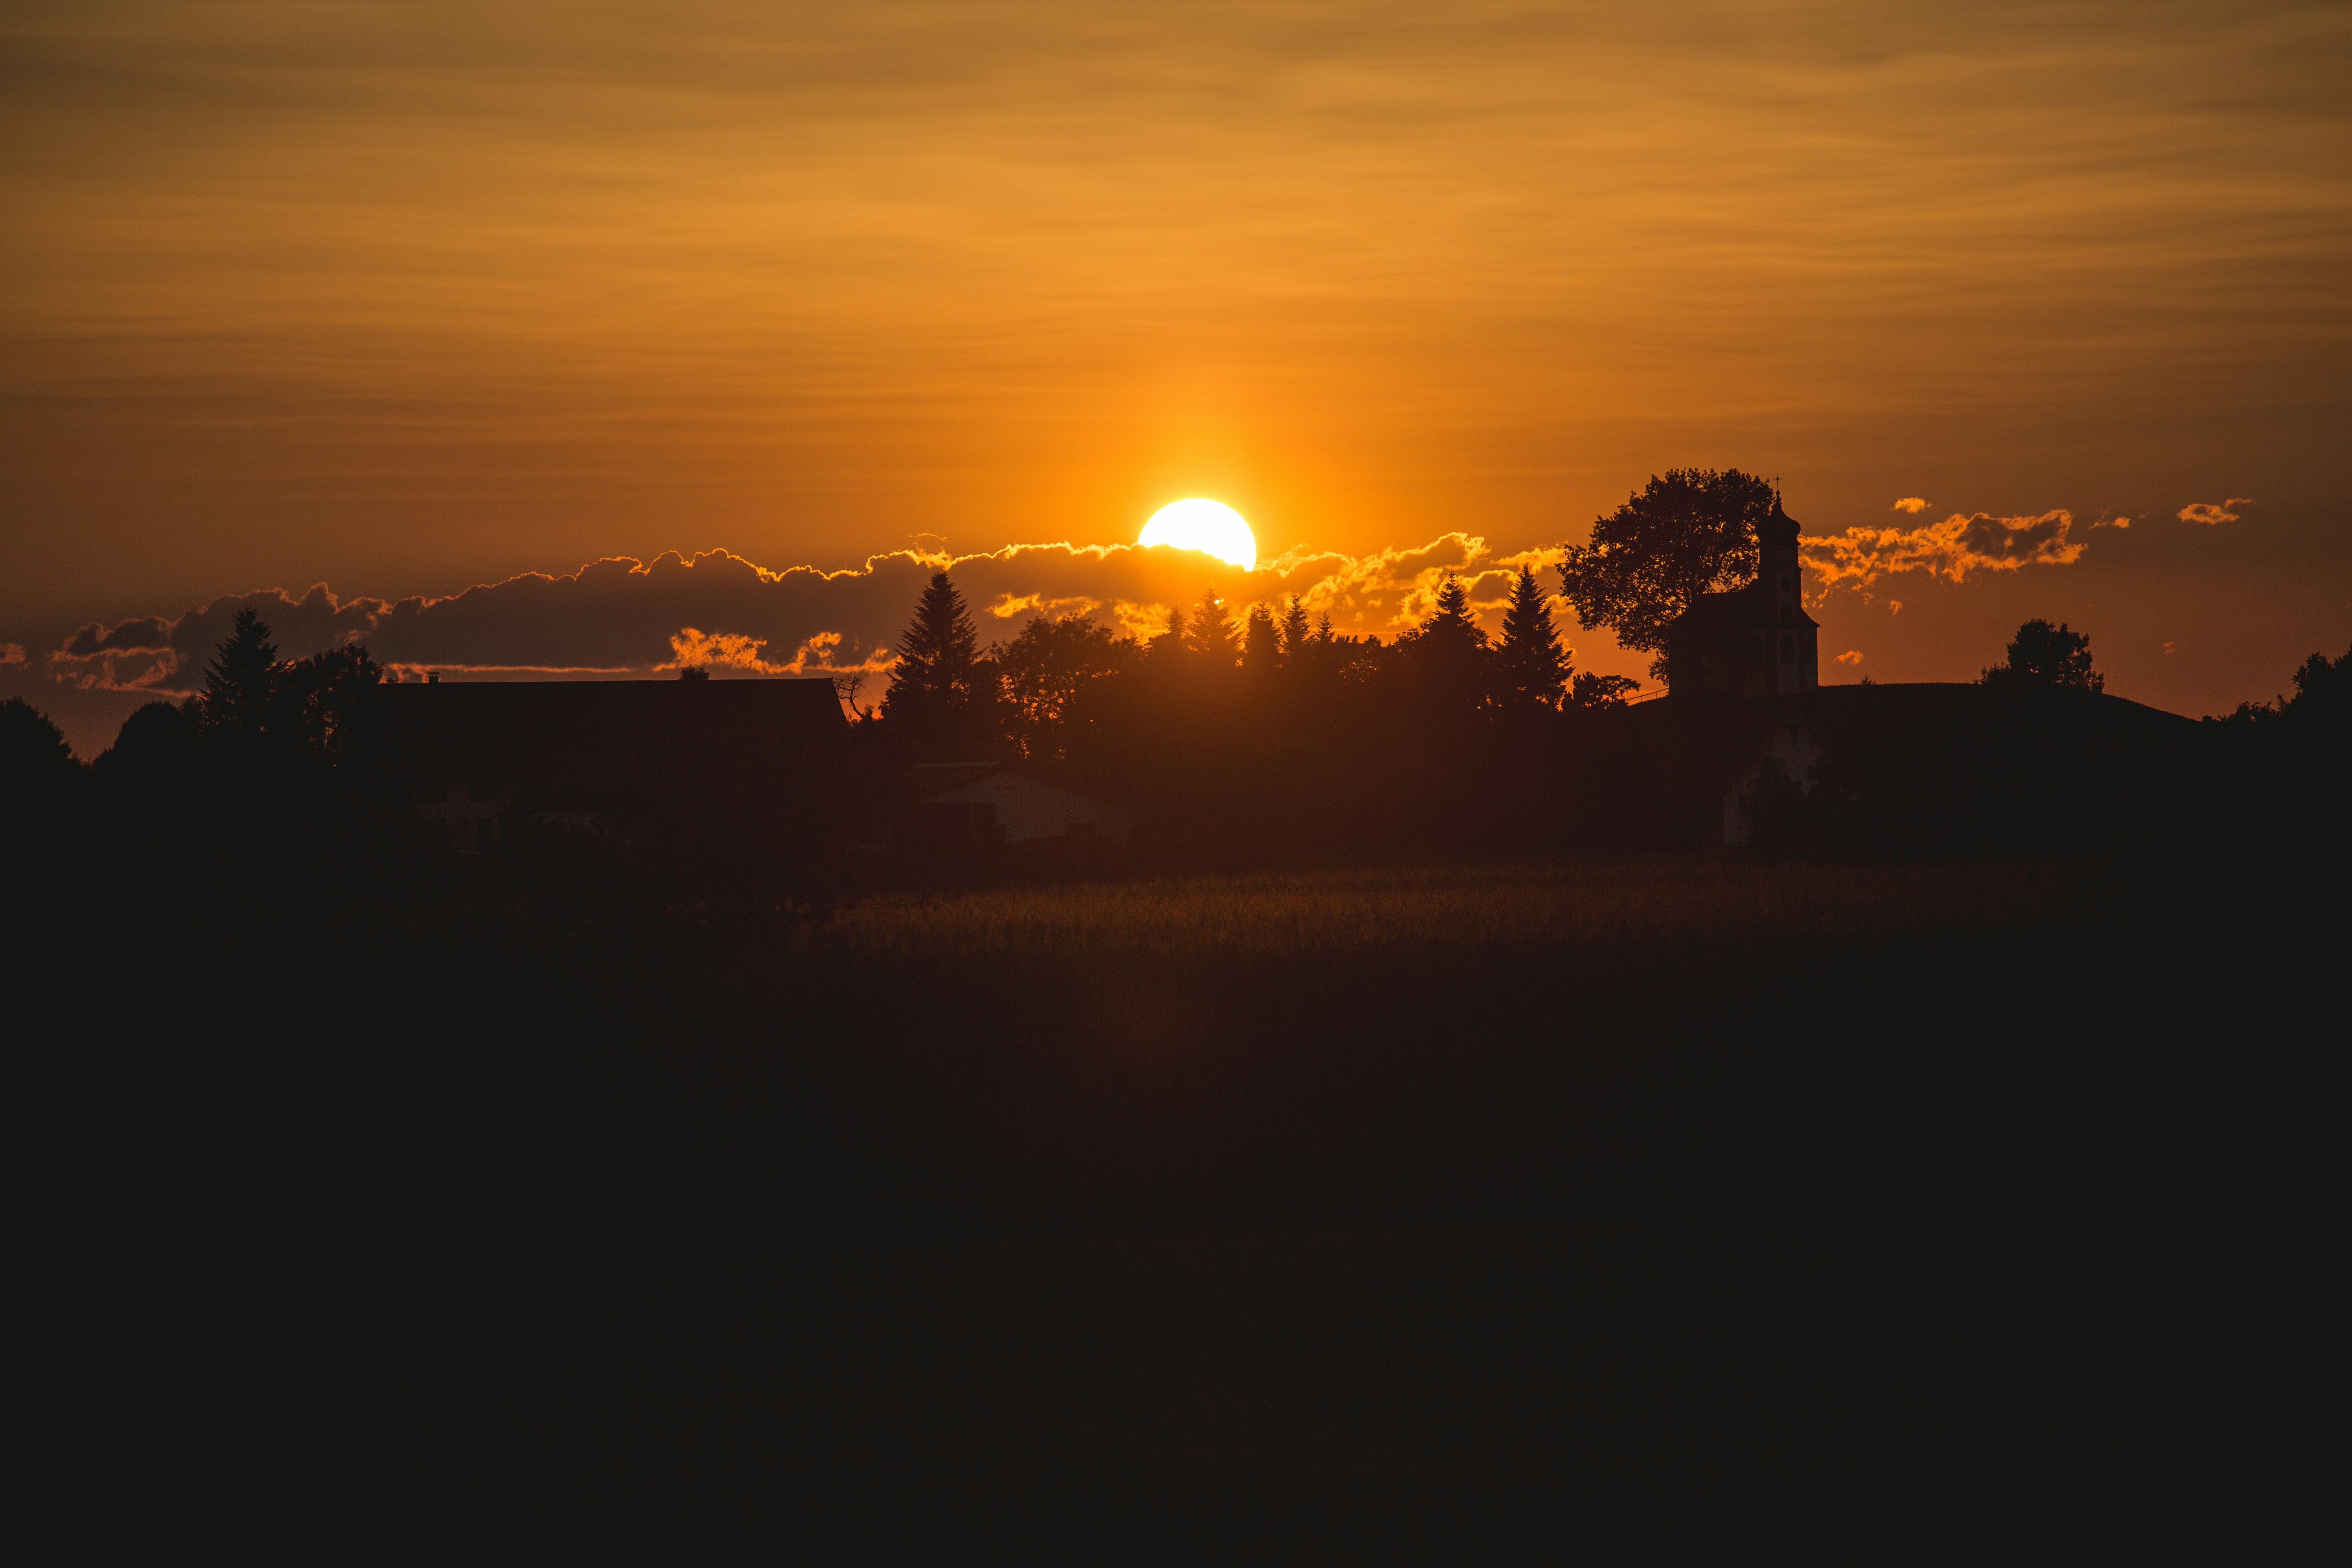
(1209, 526)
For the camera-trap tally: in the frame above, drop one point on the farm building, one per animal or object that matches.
(1955, 768)
(1755, 641)
(666, 755)
(977, 806)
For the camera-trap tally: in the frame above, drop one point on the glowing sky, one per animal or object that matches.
(413, 295)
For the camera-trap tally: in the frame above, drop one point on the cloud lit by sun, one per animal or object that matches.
(1209, 526)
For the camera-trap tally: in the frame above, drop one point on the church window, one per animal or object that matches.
(1787, 649)
(1788, 615)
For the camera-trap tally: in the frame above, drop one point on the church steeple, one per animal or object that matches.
(1780, 583)
(1756, 640)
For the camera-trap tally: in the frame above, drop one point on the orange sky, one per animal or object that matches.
(408, 297)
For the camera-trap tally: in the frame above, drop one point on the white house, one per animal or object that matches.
(1003, 807)
(473, 823)
(1792, 745)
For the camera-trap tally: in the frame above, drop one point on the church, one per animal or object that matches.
(1755, 641)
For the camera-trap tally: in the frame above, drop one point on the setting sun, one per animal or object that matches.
(1209, 526)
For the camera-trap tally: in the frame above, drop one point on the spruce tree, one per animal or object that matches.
(1452, 624)
(939, 657)
(1448, 651)
(1293, 628)
(1529, 665)
(1261, 641)
(1210, 637)
(241, 683)
(1170, 647)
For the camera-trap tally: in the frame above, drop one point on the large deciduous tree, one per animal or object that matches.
(1042, 669)
(2047, 658)
(320, 698)
(1687, 533)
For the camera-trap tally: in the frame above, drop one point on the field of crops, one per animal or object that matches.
(1274, 914)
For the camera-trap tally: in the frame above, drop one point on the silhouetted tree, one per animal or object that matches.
(1448, 653)
(157, 742)
(1529, 665)
(1261, 641)
(2046, 657)
(935, 683)
(1590, 690)
(2323, 690)
(1209, 636)
(1041, 671)
(34, 756)
(693, 672)
(1686, 533)
(318, 697)
(241, 683)
(846, 684)
(2323, 696)
(1293, 626)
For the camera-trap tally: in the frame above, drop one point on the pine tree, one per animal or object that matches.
(1293, 628)
(1529, 665)
(1210, 638)
(1452, 627)
(1448, 651)
(241, 683)
(933, 682)
(1261, 641)
(1169, 647)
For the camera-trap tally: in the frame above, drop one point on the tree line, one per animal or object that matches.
(1062, 680)
(1254, 732)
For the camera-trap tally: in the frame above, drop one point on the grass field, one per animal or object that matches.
(1411, 1214)
(1274, 914)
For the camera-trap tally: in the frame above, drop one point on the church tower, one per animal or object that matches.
(1795, 636)
(1753, 641)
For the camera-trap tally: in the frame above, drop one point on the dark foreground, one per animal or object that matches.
(1983, 1218)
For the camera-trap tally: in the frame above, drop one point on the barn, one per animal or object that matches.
(662, 757)
(978, 805)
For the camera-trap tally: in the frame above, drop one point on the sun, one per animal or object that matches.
(1209, 526)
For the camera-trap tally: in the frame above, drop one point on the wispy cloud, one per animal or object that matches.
(2207, 512)
(1953, 550)
(1915, 505)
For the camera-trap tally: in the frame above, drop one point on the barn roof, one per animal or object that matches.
(603, 736)
(1697, 744)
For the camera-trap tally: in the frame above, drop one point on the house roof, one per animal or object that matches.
(604, 735)
(1734, 610)
(1696, 745)
(983, 784)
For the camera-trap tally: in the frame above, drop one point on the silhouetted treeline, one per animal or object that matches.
(1265, 736)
